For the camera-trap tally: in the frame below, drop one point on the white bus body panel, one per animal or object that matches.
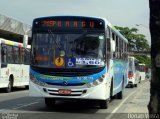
(97, 92)
(142, 75)
(20, 75)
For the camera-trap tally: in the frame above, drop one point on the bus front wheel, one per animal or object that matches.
(50, 102)
(120, 94)
(10, 85)
(104, 104)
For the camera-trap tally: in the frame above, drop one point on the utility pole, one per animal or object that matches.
(154, 104)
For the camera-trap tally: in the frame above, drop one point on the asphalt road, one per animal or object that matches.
(18, 105)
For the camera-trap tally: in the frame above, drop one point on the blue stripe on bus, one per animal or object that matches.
(119, 70)
(71, 80)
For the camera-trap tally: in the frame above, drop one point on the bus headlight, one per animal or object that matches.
(96, 82)
(34, 80)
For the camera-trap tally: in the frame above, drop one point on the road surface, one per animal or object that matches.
(19, 105)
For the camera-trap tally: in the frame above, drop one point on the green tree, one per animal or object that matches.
(136, 42)
(144, 59)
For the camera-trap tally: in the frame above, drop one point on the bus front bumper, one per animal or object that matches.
(99, 92)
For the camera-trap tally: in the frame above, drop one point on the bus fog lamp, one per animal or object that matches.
(100, 79)
(95, 83)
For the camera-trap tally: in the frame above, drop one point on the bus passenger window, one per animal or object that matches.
(16, 55)
(3, 53)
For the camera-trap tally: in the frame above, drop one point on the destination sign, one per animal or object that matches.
(67, 23)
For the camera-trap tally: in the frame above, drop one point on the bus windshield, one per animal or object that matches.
(68, 50)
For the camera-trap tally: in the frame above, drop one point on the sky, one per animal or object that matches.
(125, 13)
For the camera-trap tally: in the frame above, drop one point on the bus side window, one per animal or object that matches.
(108, 50)
(3, 54)
(22, 55)
(136, 65)
(16, 55)
(9, 54)
(117, 47)
(27, 57)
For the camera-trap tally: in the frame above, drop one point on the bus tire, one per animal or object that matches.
(140, 80)
(50, 102)
(111, 91)
(27, 87)
(104, 104)
(135, 85)
(120, 94)
(10, 85)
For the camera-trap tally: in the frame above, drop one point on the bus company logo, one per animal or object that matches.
(65, 83)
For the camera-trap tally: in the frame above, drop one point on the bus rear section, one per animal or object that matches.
(68, 60)
(14, 71)
(133, 72)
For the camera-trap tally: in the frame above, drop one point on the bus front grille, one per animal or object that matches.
(73, 92)
(69, 84)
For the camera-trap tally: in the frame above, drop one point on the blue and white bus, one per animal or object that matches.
(134, 76)
(77, 57)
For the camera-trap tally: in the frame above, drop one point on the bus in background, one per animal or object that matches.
(133, 72)
(77, 57)
(14, 62)
(142, 69)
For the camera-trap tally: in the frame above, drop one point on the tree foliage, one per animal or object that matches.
(144, 59)
(136, 42)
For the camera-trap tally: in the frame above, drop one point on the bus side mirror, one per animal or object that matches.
(25, 41)
(113, 46)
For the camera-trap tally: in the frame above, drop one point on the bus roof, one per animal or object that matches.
(107, 23)
(115, 30)
(9, 42)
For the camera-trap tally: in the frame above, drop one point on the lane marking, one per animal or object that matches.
(112, 113)
(20, 106)
(25, 105)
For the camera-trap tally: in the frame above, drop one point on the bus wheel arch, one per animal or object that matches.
(140, 79)
(120, 94)
(111, 88)
(104, 103)
(123, 83)
(10, 84)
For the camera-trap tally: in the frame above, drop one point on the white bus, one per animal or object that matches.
(142, 69)
(77, 57)
(133, 72)
(14, 62)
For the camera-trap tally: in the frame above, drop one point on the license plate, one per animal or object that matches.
(64, 91)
